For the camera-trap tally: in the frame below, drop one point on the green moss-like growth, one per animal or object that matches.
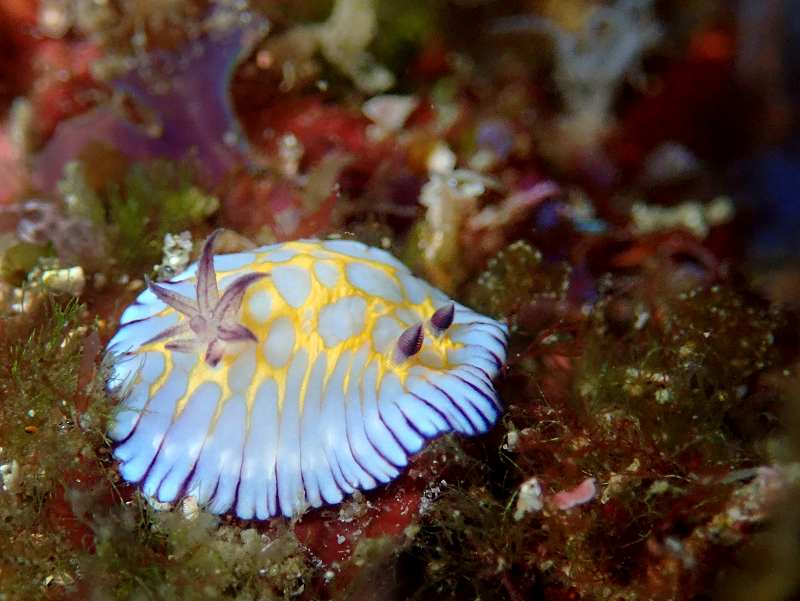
(42, 376)
(141, 553)
(119, 221)
(469, 547)
(517, 276)
(653, 395)
(153, 200)
(51, 416)
(683, 374)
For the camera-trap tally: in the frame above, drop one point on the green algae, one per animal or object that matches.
(51, 415)
(40, 382)
(153, 200)
(516, 276)
(117, 221)
(146, 554)
(682, 377)
(658, 397)
(469, 547)
(68, 527)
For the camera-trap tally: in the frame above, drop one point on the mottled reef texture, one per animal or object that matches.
(616, 181)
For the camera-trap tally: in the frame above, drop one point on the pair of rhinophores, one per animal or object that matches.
(266, 381)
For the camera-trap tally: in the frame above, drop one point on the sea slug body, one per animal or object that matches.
(291, 375)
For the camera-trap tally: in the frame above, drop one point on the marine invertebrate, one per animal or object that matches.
(311, 370)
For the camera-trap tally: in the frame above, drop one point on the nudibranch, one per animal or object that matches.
(267, 381)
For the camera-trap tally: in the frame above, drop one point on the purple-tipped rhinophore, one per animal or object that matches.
(409, 342)
(442, 318)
